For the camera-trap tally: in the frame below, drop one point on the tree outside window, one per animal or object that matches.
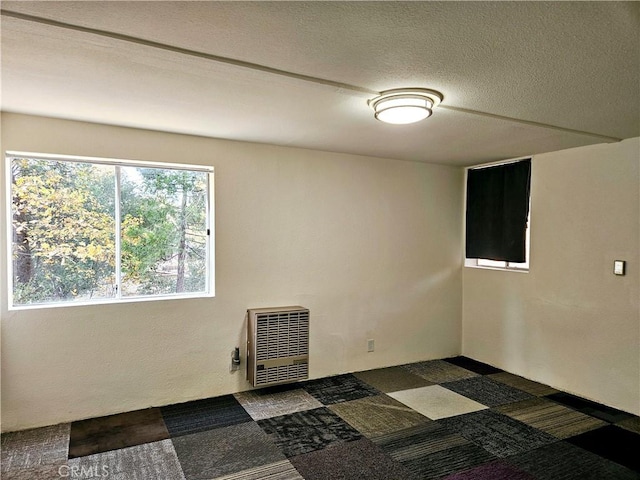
(86, 231)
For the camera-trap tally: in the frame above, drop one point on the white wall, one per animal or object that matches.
(569, 322)
(372, 247)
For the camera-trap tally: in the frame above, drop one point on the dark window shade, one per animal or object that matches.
(497, 211)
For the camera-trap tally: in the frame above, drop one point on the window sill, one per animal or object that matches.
(110, 301)
(500, 269)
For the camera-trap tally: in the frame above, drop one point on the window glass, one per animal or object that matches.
(164, 231)
(87, 231)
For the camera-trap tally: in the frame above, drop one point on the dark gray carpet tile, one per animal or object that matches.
(497, 433)
(222, 451)
(445, 462)
(201, 415)
(392, 379)
(439, 371)
(156, 460)
(594, 409)
(307, 431)
(615, 443)
(498, 470)
(359, 459)
(341, 388)
(563, 461)
(102, 434)
(415, 442)
(282, 470)
(487, 391)
(521, 383)
(432, 451)
(37, 447)
(473, 365)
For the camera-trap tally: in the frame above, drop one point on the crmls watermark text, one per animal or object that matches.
(77, 471)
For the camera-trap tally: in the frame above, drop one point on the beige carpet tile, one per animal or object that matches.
(439, 371)
(551, 417)
(437, 402)
(392, 379)
(631, 424)
(379, 415)
(521, 383)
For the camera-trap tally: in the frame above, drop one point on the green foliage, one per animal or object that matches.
(64, 231)
(63, 236)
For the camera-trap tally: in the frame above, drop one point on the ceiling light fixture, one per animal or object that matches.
(405, 105)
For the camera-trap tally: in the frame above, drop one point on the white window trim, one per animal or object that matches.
(210, 280)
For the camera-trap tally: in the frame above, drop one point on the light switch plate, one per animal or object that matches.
(618, 267)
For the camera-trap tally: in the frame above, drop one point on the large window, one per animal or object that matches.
(96, 230)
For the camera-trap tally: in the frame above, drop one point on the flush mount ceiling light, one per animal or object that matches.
(405, 105)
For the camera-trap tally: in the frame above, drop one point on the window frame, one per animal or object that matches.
(209, 292)
(487, 264)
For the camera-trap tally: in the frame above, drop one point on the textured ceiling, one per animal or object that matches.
(518, 78)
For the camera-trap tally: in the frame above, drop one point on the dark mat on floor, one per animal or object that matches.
(473, 365)
(102, 434)
(614, 443)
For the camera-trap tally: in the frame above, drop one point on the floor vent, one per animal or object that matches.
(277, 345)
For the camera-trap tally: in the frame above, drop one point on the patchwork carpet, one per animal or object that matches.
(449, 419)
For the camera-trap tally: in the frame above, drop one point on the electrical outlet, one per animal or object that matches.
(371, 345)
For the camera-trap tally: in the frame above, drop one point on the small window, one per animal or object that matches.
(99, 230)
(522, 266)
(498, 217)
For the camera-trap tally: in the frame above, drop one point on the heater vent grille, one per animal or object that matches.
(277, 345)
(282, 374)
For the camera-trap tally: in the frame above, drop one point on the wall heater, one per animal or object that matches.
(277, 345)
